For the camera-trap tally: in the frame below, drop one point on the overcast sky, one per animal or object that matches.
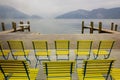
(50, 8)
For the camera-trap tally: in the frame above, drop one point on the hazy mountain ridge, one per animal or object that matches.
(10, 12)
(100, 13)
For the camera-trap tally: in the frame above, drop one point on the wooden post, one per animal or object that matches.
(14, 26)
(3, 26)
(82, 27)
(21, 22)
(116, 27)
(91, 29)
(100, 27)
(28, 25)
(22, 27)
(112, 26)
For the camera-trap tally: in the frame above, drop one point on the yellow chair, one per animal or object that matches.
(95, 69)
(62, 48)
(17, 49)
(4, 53)
(59, 70)
(83, 48)
(1, 76)
(41, 50)
(115, 74)
(104, 49)
(17, 70)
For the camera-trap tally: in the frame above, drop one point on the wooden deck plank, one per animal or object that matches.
(12, 30)
(103, 30)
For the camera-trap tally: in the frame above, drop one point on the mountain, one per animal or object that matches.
(10, 12)
(100, 13)
(35, 17)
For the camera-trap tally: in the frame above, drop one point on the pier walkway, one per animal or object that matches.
(93, 28)
(27, 38)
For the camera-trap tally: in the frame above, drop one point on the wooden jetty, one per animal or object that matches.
(100, 29)
(26, 26)
(21, 27)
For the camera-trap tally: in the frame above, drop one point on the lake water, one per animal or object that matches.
(61, 26)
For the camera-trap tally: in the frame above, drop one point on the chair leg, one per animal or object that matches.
(76, 61)
(56, 57)
(68, 56)
(39, 60)
(37, 63)
(15, 57)
(48, 57)
(88, 56)
(95, 56)
(106, 56)
(26, 57)
(110, 77)
(6, 57)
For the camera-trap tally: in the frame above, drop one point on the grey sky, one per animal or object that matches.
(50, 8)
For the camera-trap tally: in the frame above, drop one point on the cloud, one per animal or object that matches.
(50, 8)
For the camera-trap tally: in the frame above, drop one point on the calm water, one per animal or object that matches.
(61, 26)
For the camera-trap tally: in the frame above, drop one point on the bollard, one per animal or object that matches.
(28, 26)
(82, 27)
(116, 27)
(14, 26)
(112, 26)
(22, 27)
(3, 26)
(91, 29)
(100, 27)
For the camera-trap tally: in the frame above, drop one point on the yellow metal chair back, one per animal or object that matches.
(62, 44)
(62, 48)
(3, 52)
(17, 70)
(105, 47)
(106, 44)
(59, 70)
(83, 49)
(16, 45)
(40, 45)
(95, 69)
(17, 49)
(84, 44)
(41, 50)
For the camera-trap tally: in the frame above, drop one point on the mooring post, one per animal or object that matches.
(100, 27)
(82, 27)
(3, 26)
(22, 27)
(112, 26)
(116, 27)
(91, 29)
(14, 26)
(28, 25)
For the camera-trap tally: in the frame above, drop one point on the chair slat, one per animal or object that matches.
(58, 69)
(95, 69)
(16, 70)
